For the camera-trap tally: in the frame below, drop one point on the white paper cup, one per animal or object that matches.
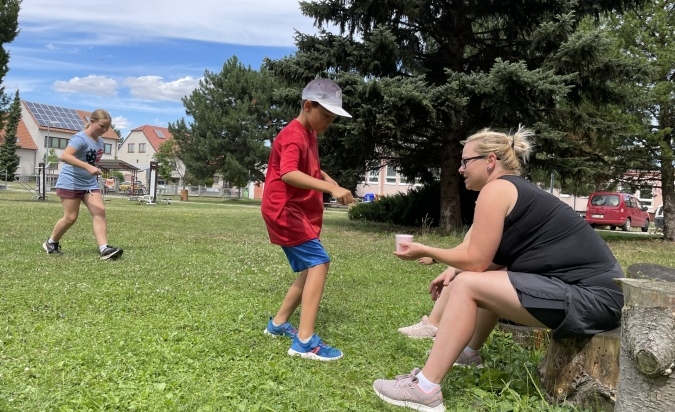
(404, 239)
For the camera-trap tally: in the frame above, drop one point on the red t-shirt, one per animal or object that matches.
(292, 215)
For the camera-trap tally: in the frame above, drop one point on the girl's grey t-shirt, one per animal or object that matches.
(89, 151)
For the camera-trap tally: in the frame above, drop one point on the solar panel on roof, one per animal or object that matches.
(54, 116)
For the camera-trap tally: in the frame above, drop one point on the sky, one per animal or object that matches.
(138, 58)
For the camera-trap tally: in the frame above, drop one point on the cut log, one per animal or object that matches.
(647, 347)
(582, 371)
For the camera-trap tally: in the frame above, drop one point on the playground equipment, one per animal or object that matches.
(38, 184)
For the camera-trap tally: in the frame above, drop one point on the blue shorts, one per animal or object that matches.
(306, 255)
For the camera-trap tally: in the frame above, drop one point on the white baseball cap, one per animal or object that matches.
(327, 94)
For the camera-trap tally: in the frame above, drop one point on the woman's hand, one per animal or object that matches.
(441, 281)
(411, 251)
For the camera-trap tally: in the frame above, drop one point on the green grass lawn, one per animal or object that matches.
(176, 324)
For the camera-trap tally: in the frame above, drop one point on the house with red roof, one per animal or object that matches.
(139, 149)
(44, 128)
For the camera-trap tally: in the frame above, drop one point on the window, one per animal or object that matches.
(141, 148)
(107, 148)
(646, 196)
(639, 203)
(646, 192)
(390, 178)
(373, 176)
(130, 148)
(57, 143)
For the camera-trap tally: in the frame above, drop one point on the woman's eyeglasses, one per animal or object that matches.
(466, 161)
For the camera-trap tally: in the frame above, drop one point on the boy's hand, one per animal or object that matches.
(343, 196)
(425, 261)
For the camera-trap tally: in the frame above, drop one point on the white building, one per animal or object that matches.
(386, 181)
(44, 128)
(139, 149)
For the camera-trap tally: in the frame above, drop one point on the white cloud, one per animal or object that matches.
(97, 85)
(154, 88)
(260, 22)
(23, 85)
(121, 123)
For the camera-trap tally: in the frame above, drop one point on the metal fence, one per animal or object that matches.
(202, 191)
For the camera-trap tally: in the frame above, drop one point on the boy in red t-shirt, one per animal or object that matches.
(292, 206)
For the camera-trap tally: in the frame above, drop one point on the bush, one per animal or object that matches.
(421, 206)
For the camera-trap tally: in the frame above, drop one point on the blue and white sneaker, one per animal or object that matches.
(285, 329)
(314, 349)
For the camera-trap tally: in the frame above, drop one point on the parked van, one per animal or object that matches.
(616, 209)
(658, 217)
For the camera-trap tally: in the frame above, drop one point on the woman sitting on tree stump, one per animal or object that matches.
(559, 272)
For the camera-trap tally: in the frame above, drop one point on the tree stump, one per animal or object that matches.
(527, 336)
(647, 347)
(582, 371)
(585, 371)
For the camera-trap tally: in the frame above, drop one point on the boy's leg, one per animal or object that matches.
(292, 300)
(311, 298)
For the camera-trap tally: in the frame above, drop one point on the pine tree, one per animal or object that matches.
(9, 29)
(9, 160)
(647, 36)
(234, 120)
(419, 76)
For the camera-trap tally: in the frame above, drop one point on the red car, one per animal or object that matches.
(616, 209)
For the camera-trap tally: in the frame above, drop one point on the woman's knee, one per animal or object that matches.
(479, 285)
(463, 282)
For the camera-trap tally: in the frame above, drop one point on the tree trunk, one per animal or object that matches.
(668, 192)
(583, 371)
(451, 216)
(647, 347)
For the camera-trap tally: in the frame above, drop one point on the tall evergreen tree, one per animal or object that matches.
(9, 160)
(420, 75)
(647, 35)
(233, 121)
(9, 29)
